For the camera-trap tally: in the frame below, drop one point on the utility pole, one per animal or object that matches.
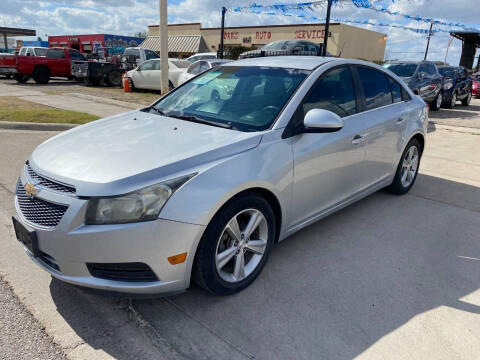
(327, 28)
(163, 46)
(428, 41)
(222, 32)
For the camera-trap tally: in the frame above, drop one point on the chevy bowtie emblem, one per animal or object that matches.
(31, 190)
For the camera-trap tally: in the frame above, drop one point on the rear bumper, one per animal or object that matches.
(8, 70)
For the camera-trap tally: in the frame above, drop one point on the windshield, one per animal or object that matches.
(402, 70)
(450, 72)
(41, 51)
(244, 98)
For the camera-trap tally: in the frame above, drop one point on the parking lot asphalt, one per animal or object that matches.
(388, 277)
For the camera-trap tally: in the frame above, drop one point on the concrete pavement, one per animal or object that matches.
(388, 277)
(85, 103)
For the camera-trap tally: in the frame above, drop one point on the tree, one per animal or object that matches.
(39, 38)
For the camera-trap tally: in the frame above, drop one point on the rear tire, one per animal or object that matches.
(407, 169)
(114, 79)
(41, 75)
(466, 101)
(228, 274)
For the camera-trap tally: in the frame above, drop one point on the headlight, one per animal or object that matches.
(141, 205)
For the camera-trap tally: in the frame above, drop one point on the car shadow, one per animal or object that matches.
(334, 290)
(462, 112)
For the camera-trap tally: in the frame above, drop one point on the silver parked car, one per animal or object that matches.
(204, 182)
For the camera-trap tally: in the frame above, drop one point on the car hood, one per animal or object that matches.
(124, 152)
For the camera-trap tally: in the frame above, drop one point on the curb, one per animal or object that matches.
(35, 126)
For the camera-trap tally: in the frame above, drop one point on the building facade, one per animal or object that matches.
(344, 40)
(95, 43)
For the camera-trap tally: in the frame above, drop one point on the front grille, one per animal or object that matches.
(49, 184)
(38, 211)
(122, 271)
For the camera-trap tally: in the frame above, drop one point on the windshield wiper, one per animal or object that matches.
(160, 112)
(199, 120)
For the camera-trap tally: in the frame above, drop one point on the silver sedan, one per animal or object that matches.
(204, 182)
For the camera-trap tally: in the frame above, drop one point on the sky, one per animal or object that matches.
(127, 17)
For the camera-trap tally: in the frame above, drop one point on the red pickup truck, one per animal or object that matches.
(57, 63)
(7, 65)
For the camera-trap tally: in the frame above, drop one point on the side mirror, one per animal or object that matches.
(321, 121)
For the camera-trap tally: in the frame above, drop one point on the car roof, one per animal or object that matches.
(408, 62)
(291, 62)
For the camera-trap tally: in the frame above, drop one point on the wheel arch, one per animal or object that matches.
(41, 67)
(421, 139)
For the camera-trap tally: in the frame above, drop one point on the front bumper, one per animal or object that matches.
(70, 245)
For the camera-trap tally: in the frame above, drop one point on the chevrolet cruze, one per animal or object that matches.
(200, 185)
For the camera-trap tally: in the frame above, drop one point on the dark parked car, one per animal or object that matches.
(457, 85)
(285, 47)
(423, 78)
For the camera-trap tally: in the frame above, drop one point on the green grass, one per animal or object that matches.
(46, 116)
(18, 110)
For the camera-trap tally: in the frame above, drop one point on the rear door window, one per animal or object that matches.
(376, 87)
(334, 91)
(56, 54)
(41, 51)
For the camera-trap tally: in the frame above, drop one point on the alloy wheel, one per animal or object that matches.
(409, 166)
(241, 245)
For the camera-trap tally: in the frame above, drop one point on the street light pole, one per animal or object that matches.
(327, 26)
(163, 27)
(428, 41)
(222, 33)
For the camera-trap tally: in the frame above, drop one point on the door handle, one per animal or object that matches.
(358, 139)
(400, 120)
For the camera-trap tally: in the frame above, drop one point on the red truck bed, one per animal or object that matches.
(57, 63)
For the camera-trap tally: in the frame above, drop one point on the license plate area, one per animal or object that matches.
(26, 237)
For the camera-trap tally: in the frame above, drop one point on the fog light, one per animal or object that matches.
(177, 259)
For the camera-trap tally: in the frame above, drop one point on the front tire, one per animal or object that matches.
(453, 101)
(407, 169)
(437, 103)
(466, 101)
(235, 246)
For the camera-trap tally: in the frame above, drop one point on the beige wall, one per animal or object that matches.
(345, 40)
(359, 43)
